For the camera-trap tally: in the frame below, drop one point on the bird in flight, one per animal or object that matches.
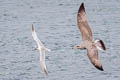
(92, 46)
(42, 49)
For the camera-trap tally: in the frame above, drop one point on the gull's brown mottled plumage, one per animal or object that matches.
(83, 24)
(92, 53)
(88, 43)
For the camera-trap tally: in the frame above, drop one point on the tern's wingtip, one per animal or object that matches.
(46, 72)
(32, 27)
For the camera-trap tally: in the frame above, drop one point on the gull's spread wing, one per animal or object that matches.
(92, 53)
(83, 24)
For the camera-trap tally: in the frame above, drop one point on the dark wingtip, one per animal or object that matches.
(81, 8)
(32, 27)
(99, 68)
(82, 4)
(46, 72)
(104, 48)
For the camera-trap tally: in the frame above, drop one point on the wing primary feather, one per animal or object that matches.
(32, 27)
(96, 63)
(46, 72)
(83, 24)
(92, 53)
(100, 68)
(81, 8)
(81, 13)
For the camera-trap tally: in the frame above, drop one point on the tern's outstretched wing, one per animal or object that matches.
(35, 37)
(83, 24)
(42, 61)
(93, 56)
(42, 50)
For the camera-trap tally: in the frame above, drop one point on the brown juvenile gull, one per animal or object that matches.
(92, 46)
(42, 50)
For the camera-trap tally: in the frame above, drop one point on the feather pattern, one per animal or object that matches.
(83, 24)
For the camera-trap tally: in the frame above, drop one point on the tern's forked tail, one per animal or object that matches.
(47, 49)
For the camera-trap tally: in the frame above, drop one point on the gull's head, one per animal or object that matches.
(76, 47)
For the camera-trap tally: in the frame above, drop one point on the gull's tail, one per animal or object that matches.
(100, 45)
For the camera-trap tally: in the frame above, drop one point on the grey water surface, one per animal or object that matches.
(55, 22)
